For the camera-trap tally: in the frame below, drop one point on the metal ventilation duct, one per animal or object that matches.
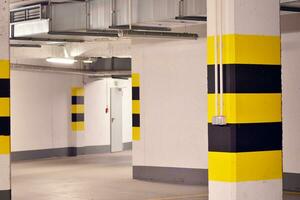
(113, 63)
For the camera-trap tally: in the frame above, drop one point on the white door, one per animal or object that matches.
(116, 96)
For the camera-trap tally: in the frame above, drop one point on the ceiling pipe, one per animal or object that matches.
(87, 33)
(46, 39)
(71, 71)
(139, 27)
(26, 45)
(128, 33)
(160, 34)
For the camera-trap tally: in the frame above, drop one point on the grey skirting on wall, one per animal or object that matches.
(171, 175)
(61, 152)
(291, 182)
(5, 194)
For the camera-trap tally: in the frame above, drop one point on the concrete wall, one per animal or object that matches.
(173, 104)
(41, 111)
(291, 97)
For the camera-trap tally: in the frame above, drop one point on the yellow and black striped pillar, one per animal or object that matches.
(245, 156)
(136, 132)
(77, 109)
(5, 179)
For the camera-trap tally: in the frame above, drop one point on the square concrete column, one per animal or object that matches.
(77, 121)
(5, 188)
(245, 152)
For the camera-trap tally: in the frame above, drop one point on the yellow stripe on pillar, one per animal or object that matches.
(4, 107)
(135, 107)
(77, 126)
(77, 91)
(77, 108)
(136, 133)
(135, 80)
(4, 69)
(4, 145)
(247, 49)
(248, 108)
(248, 166)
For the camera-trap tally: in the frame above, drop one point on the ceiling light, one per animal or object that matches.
(67, 61)
(87, 61)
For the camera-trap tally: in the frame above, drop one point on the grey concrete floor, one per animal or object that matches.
(94, 177)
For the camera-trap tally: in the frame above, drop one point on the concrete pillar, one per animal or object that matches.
(5, 188)
(77, 124)
(245, 155)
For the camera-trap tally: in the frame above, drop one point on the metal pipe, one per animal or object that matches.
(50, 14)
(130, 14)
(88, 14)
(26, 45)
(157, 34)
(181, 8)
(45, 39)
(221, 58)
(92, 34)
(216, 63)
(113, 13)
(72, 71)
(128, 33)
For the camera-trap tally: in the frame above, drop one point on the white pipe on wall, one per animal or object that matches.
(221, 59)
(130, 14)
(219, 118)
(216, 64)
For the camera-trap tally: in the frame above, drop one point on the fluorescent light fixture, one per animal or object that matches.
(123, 56)
(87, 61)
(67, 61)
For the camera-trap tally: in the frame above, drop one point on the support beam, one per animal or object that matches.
(245, 152)
(5, 147)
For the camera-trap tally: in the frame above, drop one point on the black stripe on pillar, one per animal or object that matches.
(4, 87)
(245, 137)
(77, 100)
(78, 117)
(5, 126)
(136, 120)
(135, 93)
(244, 78)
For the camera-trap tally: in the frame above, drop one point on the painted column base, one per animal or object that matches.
(5, 194)
(63, 152)
(259, 190)
(186, 176)
(291, 181)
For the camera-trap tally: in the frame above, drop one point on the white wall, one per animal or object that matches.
(173, 104)
(291, 99)
(41, 113)
(97, 96)
(40, 106)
